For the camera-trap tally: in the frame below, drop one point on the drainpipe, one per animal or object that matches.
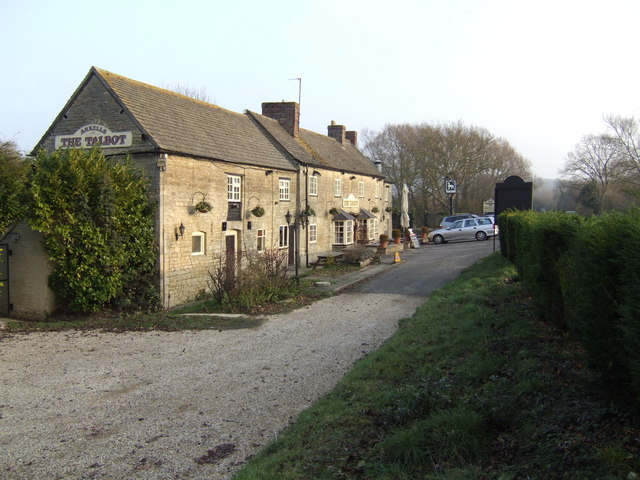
(306, 202)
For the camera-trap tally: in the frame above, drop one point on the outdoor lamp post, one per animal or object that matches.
(288, 217)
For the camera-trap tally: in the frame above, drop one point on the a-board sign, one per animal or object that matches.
(415, 243)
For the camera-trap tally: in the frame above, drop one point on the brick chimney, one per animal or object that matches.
(352, 136)
(286, 113)
(337, 132)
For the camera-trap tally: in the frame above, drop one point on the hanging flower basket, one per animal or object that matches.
(308, 212)
(334, 211)
(257, 212)
(203, 207)
(375, 210)
(388, 209)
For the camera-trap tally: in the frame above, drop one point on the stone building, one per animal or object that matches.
(225, 181)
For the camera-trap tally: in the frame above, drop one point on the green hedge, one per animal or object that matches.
(584, 274)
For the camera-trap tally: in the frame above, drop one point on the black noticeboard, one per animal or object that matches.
(513, 193)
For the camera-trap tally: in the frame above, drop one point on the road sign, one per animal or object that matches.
(450, 186)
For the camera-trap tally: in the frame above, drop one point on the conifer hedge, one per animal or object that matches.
(98, 225)
(584, 273)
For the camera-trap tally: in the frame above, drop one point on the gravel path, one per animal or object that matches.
(185, 405)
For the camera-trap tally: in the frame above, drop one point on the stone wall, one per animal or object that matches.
(187, 181)
(29, 270)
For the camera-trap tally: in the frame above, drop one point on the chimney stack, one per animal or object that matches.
(352, 136)
(337, 132)
(286, 113)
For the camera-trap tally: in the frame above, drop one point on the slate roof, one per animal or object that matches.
(170, 119)
(317, 150)
(180, 124)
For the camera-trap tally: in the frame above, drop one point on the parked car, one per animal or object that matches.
(489, 217)
(478, 228)
(447, 221)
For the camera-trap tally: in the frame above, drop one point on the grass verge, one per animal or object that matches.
(472, 386)
(185, 317)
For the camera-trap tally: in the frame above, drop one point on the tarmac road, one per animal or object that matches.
(428, 268)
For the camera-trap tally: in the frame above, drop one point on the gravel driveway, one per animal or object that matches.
(185, 405)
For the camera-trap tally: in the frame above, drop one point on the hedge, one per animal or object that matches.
(584, 274)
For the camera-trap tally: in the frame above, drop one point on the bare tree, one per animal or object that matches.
(626, 131)
(597, 161)
(196, 93)
(423, 156)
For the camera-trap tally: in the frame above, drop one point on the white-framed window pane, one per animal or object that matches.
(313, 185)
(197, 243)
(361, 189)
(338, 230)
(337, 187)
(285, 188)
(343, 232)
(262, 240)
(377, 190)
(372, 229)
(233, 188)
(283, 238)
(349, 231)
(313, 233)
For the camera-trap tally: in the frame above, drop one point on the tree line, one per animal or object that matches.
(424, 156)
(603, 170)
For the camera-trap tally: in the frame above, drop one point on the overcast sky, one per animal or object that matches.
(538, 73)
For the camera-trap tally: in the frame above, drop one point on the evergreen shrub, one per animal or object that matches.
(98, 225)
(585, 273)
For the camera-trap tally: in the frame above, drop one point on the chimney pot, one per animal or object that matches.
(352, 136)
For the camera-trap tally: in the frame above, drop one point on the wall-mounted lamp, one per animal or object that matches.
(268, 172)
(353, 177)
(180, 231)
(287, 217)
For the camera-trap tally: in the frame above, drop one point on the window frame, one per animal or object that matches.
(360, 189)
(202, 237)
(372, 229)
(261, 240)
(313, 233)
(337, 187)
(313, 185)
(284, 186)
(234, 188)
(344, 229)
(283, 236)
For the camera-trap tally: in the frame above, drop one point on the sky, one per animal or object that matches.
(540, 73)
